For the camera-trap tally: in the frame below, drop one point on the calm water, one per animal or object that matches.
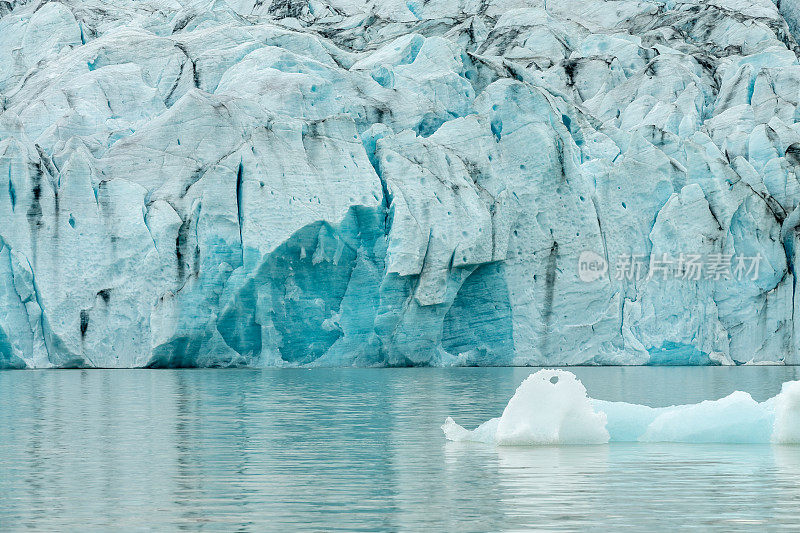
(356, 449)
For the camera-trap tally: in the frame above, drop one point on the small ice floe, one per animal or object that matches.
(551, 407)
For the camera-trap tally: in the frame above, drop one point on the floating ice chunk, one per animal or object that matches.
(551, 407)
(626, 422)
(484, 433)
(787, 414)
(736, 418)
(562, 414)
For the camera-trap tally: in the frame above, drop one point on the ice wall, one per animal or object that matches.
(330, 182)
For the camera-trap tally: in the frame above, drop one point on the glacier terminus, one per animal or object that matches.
(222, 183)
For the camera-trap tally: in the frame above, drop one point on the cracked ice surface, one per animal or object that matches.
(349, 182)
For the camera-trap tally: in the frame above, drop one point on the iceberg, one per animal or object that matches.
(224, 183)
(551, 407)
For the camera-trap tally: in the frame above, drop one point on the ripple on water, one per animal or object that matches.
(361, 449)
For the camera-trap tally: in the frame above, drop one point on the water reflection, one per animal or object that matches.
(362, 450)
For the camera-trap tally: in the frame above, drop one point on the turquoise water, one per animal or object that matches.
(358, 449)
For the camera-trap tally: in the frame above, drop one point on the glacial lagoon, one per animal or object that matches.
(363, 450)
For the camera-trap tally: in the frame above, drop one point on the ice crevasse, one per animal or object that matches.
(551, 407)
(394, 183)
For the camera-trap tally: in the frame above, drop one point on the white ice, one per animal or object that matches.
(552, 407)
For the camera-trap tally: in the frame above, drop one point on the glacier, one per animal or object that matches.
(551, 407)
(225, 183)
